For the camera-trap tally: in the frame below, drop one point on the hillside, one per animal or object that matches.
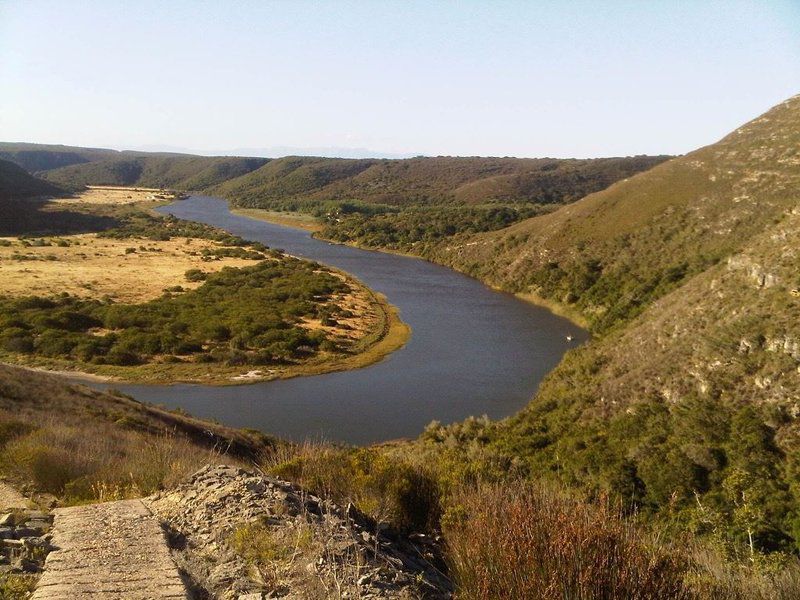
(21, 200)
(613, 252)
(101, 437)
(425, 181)
(686, 402)
(42, 157)
(16, 183)
(182, 172)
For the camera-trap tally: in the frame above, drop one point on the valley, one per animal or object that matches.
(358, 300)
(680, 411)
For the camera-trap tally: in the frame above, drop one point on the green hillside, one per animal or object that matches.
(610, 254)
(685, 402)
(426, 181)
(182, 172)
(42, 157)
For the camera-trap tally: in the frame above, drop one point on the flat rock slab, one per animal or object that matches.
(115, 550)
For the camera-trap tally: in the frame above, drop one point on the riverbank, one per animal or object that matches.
(288, 219)
(309, 223)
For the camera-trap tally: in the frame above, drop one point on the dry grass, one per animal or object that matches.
(82, 445)
(100, 194)
(523, 541)
(110, 462)
(289, 219)
(89, 266)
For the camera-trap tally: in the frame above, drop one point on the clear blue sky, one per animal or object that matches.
(461, 78)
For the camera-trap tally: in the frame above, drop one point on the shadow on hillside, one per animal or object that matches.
(35, 217)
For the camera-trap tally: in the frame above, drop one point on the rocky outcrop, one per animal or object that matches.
(24, 540)
(238, 534)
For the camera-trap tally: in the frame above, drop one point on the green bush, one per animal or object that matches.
(195, 275)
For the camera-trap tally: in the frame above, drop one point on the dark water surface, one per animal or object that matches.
(472, 350)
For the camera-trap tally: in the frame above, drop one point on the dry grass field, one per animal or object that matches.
(110, 195)
(89, 266)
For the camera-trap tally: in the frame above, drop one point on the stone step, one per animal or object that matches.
(115, 550)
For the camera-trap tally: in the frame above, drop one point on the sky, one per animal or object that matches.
(385, 78)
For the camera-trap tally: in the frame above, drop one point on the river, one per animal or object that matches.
(473, 350)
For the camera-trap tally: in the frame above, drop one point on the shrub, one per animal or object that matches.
(122, 358)
(196, 275)
(22, 344)
(386, 488)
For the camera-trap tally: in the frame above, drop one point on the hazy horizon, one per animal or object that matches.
(394, 79)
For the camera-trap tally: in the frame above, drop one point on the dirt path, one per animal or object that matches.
(109, 551)
(11, 498)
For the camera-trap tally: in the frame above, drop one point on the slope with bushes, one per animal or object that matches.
(685, 403)
(183, 172)
(80, 444)
(615, 251)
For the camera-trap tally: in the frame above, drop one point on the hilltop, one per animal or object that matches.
(42, 157)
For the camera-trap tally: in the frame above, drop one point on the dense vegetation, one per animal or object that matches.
(156, 170)
(237, 316)
(429, 181)
(413, 229)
